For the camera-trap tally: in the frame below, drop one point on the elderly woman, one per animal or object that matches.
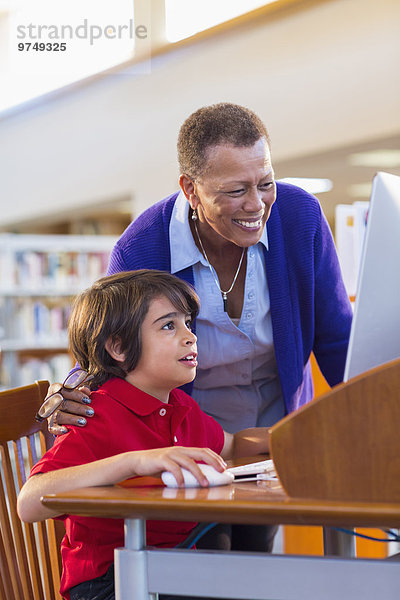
(262, 260)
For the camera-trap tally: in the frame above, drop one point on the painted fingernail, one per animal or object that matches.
(86, 400)
(81, 421)
(89, 412)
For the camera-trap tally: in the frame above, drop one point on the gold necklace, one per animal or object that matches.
(224, 294)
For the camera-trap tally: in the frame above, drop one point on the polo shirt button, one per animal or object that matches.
(250, 295)
(175, 439)
(162, 412)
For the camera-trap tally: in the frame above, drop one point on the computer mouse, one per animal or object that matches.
(214, 477)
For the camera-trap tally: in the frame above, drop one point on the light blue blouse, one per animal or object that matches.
(237, 378)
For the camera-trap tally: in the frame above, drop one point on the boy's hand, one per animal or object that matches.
(73, 410)
(173, 459)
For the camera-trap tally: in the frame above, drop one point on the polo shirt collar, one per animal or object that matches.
(141, 403)
(184, 252)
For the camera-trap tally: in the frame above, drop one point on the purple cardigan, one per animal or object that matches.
(310, 309)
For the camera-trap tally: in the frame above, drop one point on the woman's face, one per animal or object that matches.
(234, 195)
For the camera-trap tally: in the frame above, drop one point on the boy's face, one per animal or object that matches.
(169, 351)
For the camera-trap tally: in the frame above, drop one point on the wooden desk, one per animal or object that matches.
(141, 573)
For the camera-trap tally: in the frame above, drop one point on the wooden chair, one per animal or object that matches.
(30, 563)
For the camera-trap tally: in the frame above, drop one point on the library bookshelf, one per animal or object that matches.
(40, 275)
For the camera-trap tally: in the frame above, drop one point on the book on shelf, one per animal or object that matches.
(39, 276)
(53, 368)
(350, 227)
(52, 271)
(52, 262)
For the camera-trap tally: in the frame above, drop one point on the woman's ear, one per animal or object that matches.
(188, 188)
(113, 347)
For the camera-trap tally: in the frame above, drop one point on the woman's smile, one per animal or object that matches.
(248, 223)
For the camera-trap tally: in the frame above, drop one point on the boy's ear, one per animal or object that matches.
(113, 347)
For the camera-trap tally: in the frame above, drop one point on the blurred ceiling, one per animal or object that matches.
(344, 55)
(351, 180)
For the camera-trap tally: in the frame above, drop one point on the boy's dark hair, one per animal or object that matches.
(223, 123)
(115, 307)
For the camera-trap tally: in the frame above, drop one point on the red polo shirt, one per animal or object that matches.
(125, 419)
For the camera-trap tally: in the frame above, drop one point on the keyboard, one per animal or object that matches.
(263, 469)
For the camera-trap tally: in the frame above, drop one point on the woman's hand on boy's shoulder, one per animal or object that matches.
(74, 410)
(175, 458)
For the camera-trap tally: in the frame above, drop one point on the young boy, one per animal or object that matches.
(132, 333)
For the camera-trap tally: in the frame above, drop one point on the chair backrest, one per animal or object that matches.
(345, 445)
(30, 564)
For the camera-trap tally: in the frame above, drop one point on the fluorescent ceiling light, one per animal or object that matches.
(375, 158)
(185, 18)
(310, 184)
(10, 5)
(21, 77)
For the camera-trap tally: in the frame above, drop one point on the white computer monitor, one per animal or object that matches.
(375, 331)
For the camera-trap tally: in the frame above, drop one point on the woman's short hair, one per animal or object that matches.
(222, 123)
(114, 308)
